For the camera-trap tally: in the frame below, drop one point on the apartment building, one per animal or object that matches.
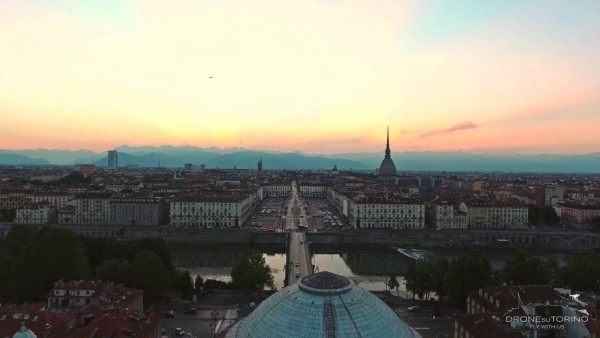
(92, 208)
(490, 214)
(36, 213)
(213, 208)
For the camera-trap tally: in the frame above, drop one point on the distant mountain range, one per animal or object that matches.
(170, 156)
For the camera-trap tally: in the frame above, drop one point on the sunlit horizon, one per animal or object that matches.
(319, 77)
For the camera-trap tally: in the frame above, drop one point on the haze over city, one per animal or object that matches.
(316, 76)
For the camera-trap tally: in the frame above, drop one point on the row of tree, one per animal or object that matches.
(451, 280)
(32, 259)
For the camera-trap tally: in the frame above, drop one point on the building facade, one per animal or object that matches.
(491, 215)
(36, 213)
(92, 208)
(137, 211)
(213, 210)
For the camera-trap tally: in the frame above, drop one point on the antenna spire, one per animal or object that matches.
(387, 146)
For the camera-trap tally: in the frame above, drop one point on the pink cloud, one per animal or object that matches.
(457, 127)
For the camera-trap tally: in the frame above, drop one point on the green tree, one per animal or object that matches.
(156, 245)
(19, 238)
(148, 273)
(439, 268)
(417, 278)
(199, 286)
(114, 270)
(582, 271)
(182, 282)
(7, 271)
(53, 254)
(393, 283)
(467, 273)
(526, 269)
(427, 276)
(251, 272)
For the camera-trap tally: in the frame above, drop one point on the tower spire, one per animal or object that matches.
(387, 146)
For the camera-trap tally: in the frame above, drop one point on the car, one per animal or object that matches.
(168, 314)
(190, 311)
(179, 332)
(414, 308)
(297, 265)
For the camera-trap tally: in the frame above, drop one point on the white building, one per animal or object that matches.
(495, 215)
(56, 199)
(445, 216)
(378, 211)
(222, 209)
(40, 213)
(309, 190)
(92, 208)
(282, 189)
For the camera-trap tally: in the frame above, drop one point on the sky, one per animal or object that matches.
(319, 76)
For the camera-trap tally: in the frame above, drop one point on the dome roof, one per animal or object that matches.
(387, 167)
(24, 332)
(322, 305)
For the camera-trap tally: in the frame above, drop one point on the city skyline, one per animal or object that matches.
(322, 78)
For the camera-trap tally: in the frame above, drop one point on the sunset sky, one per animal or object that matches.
(327, 76)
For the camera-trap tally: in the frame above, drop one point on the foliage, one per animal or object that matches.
(182, 282)
(211, 285)
(199, 286)
(426, 276)
(543, 215)
(149, 273)
(53, 254)
(7, 271)
(113, 270)
(73, 178)
(251, 272)
(393, 283)
(467, 273)
(582, 271)
(18, 238)
(526, 269)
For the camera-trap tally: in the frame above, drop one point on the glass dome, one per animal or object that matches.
(322, 305)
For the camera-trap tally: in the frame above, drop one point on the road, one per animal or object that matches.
(299, 264)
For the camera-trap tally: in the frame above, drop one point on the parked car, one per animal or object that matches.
(436, 313)
(168, 314)
(414, 308)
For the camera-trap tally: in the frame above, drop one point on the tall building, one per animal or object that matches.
(387, 169)
(113, 159)
(260, 165)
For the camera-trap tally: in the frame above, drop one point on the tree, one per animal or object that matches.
(53, 254)
(19, 238)
(467, 273)
(393, 283)
(251, 272)
(7, 271)
(156, 245)
(182, 282)
(582, 271)
(199, 286)
(427, 276)
(149, 273)
(526, 269)
(114, 270)
(417, 278)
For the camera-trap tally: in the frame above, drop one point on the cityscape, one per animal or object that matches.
(312, 169)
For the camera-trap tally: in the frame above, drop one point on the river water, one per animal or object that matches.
(370, 270)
